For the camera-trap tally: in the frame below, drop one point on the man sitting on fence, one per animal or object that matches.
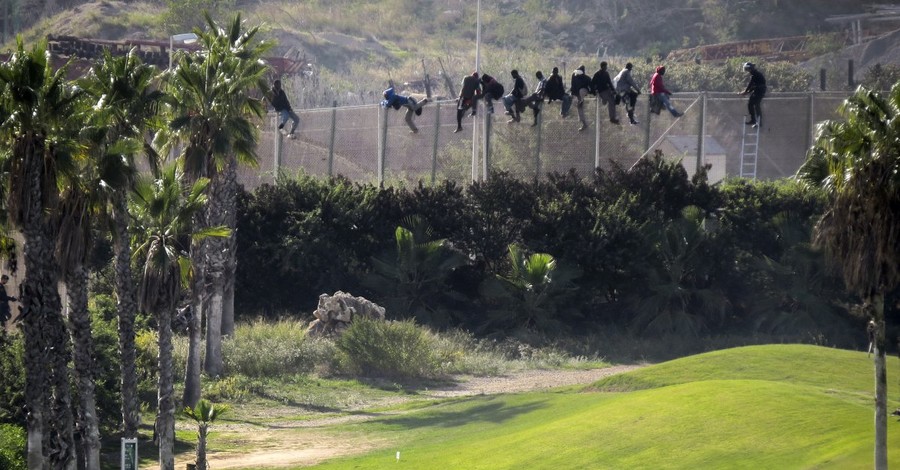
(393, 100)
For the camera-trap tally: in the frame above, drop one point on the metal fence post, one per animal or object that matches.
(811, 136)
(701, 139)
(331, 140)
(382, 143)
(434, 148)
(486, 149)
(597, 135)
(539, 121)
(647, 130)
(276, 168)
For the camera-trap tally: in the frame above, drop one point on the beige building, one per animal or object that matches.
(685, 148)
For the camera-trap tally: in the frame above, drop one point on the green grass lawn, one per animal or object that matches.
(784, 406)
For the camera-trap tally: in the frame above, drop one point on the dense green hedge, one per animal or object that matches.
(652, 251)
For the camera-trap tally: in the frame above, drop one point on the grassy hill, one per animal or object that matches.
(753, 407)
(357, 46)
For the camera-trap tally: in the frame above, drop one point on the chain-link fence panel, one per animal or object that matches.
(350, 141)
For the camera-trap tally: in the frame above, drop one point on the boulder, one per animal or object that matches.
(336, 312)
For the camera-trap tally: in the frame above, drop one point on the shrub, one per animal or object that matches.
(267, 349)
(107, 370)
(394, 349)
(12, 379)
(12, 447)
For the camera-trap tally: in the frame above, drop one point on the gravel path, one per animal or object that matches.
(524, 381)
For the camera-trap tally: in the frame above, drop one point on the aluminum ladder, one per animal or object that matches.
(749, 150)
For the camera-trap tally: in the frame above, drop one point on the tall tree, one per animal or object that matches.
(126, 104)
(37, 103)
(857, 163)
(73, 245)
(213, 111)
(163, 232)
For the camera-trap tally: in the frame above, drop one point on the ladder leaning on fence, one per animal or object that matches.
(750, 150)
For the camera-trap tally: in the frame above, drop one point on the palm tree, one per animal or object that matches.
(857, 163)
(532, 295)
(204, 414)
(679, 297)
(412, 278)
(163, 232)
(37, 103)
(76, 212)
(126, 105)
(212, 106)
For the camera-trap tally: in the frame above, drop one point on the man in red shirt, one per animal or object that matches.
(658, 90)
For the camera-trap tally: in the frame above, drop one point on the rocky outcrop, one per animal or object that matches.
(335, 313)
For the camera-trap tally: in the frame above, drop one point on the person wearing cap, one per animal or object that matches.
(581, 86)
(556, 90)
(756, 88)
(4, 303)
(396, 101)
(628, 89)
(468, 98)
(513, 101)
(658, 90)
(602, 85)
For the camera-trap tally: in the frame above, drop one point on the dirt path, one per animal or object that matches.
(302, 443)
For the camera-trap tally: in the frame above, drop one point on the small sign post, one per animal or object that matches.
(129, 454)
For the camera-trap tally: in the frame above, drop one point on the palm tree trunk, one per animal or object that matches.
(215, 365)
(80, 321)
(220, 211)
(165, 420)
(192, 369)
(36, 373)
(881, 459)
(62, 446)
(228, 301)
(231, 252)
(201, 445)
(49, 438)
(191, 394)
(126, 308)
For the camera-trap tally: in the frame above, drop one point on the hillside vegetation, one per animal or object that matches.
(358, 46)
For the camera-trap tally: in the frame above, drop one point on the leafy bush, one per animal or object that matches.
(274, 349)
(12, 379)
(305, 237)
(532, 294)
(106, 360)
(394, 349)
(411, 281)
(12, 447)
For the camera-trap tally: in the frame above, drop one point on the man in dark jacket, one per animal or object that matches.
(581, 86)
(493, 90)
(468, 98)
(512, 101)
(756, 88)
(4, 303)
(602, 85)
(556, 90)
(282, 106)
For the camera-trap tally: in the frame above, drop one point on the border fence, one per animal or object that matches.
(370, 144)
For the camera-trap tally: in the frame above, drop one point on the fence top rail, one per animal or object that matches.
(714, 95)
